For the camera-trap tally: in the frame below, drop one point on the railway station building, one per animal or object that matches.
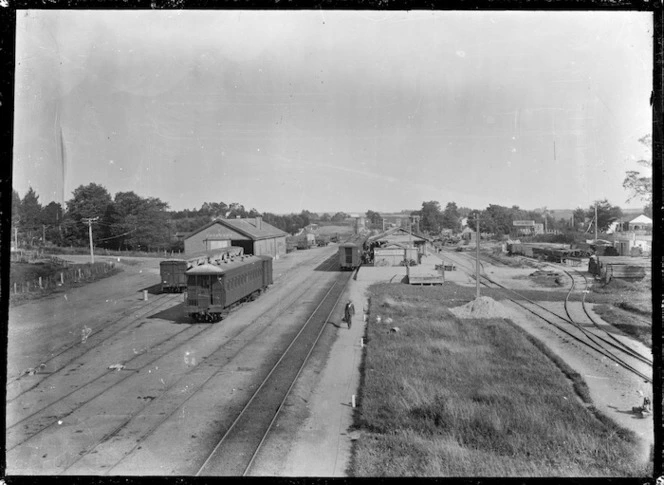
(252, 234)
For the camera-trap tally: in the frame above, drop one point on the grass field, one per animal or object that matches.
(450, 397)
(625, 305)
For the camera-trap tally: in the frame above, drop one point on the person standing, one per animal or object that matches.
(349, 311)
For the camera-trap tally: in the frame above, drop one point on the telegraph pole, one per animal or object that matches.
(89, 222)
(477, 258)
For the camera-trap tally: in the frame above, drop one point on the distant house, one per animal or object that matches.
(641, 223)
(637, 239)
(252, 234)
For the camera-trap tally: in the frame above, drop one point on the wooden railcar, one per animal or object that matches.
(214, 289)
(350, 256)
(173, 278)
(172, 271)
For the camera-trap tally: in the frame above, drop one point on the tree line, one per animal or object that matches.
(128, 221)
(499, 220)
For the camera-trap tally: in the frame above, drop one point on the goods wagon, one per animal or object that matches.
(213, 289)
(172, 271)
(350, 256)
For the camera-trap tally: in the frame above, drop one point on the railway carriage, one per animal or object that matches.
(213, 289)
(172, 271)
(350, 255)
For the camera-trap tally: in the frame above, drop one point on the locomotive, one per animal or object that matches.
(172, 271)
(214, 288)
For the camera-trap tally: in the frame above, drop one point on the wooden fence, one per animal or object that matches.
(67, 275)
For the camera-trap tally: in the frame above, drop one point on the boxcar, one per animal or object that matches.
(213, 289)
(172, 272)
(350, 256)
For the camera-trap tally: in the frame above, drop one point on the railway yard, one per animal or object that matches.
(121, 385)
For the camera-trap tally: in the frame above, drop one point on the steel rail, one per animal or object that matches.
(132, 319)
(617, 344)
(283, 401)
(167, 389)
(213, 454)
(600, 350)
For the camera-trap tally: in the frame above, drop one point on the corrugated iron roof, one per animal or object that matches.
(222, 266)
(247, 227)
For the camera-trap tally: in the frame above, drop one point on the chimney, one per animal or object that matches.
(259, 222)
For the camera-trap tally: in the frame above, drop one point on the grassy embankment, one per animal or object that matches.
(450, 397)
(49, 271)
(625, 305)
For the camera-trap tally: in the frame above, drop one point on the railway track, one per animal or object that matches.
(45, 421)
(577, 332)
(65, 355)
(235, 453)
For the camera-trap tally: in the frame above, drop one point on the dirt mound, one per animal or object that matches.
(482, 307)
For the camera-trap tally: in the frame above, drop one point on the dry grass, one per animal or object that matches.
(446, 397)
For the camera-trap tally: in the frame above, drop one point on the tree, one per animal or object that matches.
(431, 217)
(138, 223)
(339, 217)
(374, 218)
(308, 217)
(579, 216)
(640, 186)
(88, 201)
(606, 214)
(16, 208)
(325, 217)
(30, 214)
(51, 217)
(451, 217)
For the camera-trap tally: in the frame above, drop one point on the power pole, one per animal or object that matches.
(43, 234)
(89, 222)
(477, 258)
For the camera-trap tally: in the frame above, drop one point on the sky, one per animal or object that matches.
(331, 111)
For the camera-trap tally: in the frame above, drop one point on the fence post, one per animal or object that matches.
(15, 288)
(62, 278)
(40, 283)
(79, 273)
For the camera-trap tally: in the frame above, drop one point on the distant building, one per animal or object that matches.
(641, 223)
(252, 234)
(636, 238)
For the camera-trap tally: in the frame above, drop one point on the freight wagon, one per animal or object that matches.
(350, 256)
(172, 271)
(213, 289)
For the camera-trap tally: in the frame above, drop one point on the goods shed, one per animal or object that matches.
(253, 235)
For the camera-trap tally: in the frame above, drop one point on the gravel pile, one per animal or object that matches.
(482, 307)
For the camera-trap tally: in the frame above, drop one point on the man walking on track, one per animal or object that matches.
(349, 311)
